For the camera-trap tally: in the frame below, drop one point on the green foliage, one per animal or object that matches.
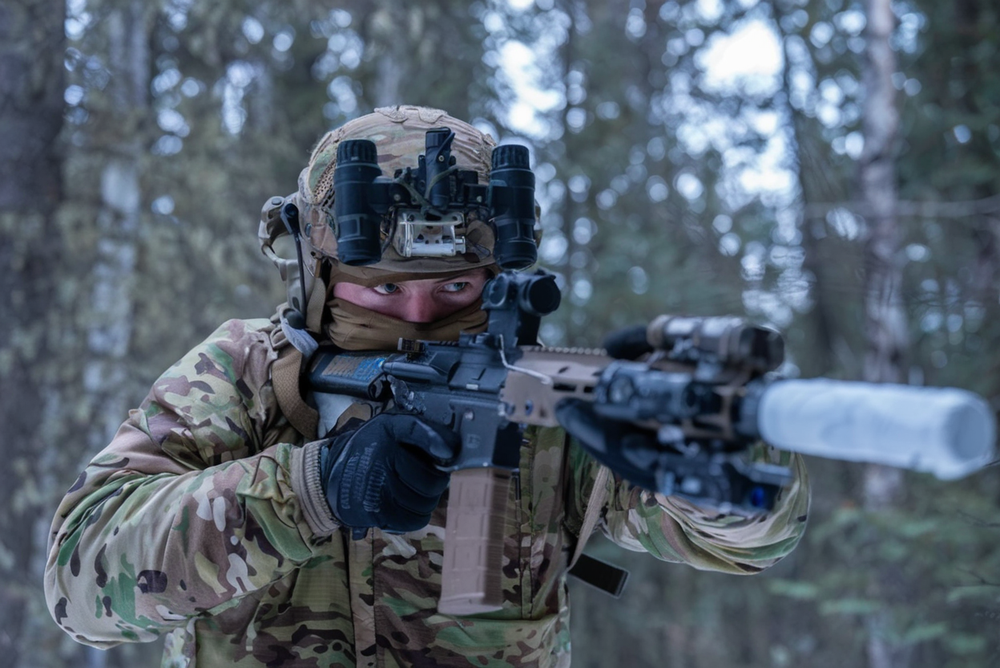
(933, 542)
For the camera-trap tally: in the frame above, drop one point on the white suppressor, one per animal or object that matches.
(944, 431)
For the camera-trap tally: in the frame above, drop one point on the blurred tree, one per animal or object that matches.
(908, 596)
(427, 53)
(627, 205)
(819, 107)
(949, 166)
(885, 320)
(33, 259)
(819, 252)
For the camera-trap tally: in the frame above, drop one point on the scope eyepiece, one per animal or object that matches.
(512, 198)
(356, 223)
(540, 295)
(535, 294)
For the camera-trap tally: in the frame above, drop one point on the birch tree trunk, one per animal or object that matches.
(885, 321)
(32, 80)
(111, 304)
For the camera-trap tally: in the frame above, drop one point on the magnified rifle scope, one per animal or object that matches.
(364, 196)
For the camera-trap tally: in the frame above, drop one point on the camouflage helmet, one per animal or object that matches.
(399, 136)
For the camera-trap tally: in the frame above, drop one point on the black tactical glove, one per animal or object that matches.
(384, 473)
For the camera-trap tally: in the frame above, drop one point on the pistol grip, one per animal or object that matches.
(473, 545)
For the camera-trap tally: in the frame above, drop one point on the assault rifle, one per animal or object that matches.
(700, 384)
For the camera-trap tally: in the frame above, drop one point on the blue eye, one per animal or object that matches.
(386, 288)
(457, 286)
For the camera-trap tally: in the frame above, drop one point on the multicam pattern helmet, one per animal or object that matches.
(399, 136)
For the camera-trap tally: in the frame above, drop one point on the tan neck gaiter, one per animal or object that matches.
(357, 328)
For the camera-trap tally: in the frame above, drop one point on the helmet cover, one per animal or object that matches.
(399, 135)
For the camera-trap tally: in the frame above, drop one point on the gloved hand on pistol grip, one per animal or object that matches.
(385, 473)
(627, 450)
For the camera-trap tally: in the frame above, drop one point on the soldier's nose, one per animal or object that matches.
(420, 307)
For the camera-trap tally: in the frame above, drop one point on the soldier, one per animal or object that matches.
(222, 516)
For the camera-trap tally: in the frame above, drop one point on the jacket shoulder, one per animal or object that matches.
(217, 397)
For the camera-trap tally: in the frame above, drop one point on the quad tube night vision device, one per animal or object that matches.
(425, 211)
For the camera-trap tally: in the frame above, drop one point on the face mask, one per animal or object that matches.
(357, 328)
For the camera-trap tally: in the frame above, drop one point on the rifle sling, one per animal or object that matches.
(600, 574)
(604, 576)
(285, 376)
(286, 372)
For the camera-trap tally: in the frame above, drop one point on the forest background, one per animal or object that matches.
(848, 195)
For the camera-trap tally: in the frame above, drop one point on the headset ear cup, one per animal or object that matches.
(301, 279)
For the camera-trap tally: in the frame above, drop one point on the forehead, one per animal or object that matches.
(471, 276)
(478, 275)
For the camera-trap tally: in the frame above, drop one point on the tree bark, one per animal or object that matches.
(32, 76)
(388, 34)
(822, 321)
(111, 303)
(885, 320)
(32, 80)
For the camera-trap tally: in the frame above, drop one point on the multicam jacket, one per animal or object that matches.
(192, 523)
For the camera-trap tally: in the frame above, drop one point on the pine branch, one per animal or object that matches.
(982, 581)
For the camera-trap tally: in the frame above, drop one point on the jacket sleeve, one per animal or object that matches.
(191, 506)
(674, 529)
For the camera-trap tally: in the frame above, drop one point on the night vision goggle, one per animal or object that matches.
(425, 212)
